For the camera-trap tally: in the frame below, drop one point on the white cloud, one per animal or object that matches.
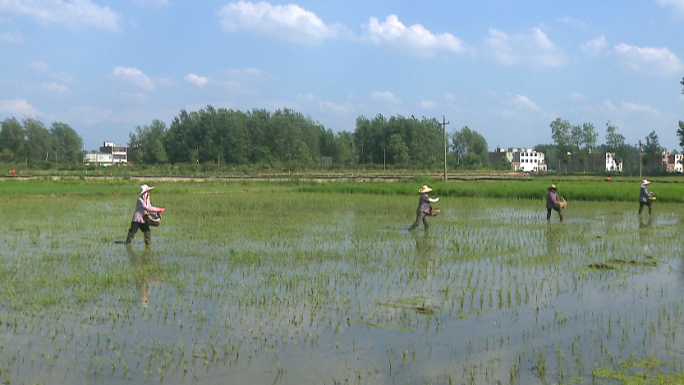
(89, 115)
(54, 88)
(197, 80)
(576, 95)
(677, 5)
(241, 81)
(449, 97)
(385, 96)
(640, 108)
(145, 3)
(135, 77)
(134, 96)
(649, 59)
(428, 104)
(45, 70)
(17, 108)
(415, 38)
(573, 22)
(72, 13)
(534, 49)
(594, 47)
(249, 73)
(282, 22)
(10, 37)
(609, 108)
(523, 101)
(340, 109)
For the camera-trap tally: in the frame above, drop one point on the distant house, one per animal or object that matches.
(119, 152)
(521, 159)
(664, 161)
(611, 164)
(674, 162)
(108, 155)
(98, 158)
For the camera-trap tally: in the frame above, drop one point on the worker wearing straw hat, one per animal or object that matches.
(553, 203)
(142, 206)
(643, 197)
(424, 208)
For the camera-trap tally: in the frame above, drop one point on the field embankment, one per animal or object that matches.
(573, 188)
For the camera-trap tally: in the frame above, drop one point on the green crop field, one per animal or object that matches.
(301, 282)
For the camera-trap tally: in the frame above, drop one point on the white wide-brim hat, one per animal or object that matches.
(424, 189)
(145, 188)
(645, 182)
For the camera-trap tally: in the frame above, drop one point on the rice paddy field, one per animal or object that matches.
(285, 284)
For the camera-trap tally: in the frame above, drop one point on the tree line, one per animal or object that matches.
(234, 137)
(30, 142)
(286, 137)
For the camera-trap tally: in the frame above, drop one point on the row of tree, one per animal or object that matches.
(224, 136)
(29, 141)
(258, 136)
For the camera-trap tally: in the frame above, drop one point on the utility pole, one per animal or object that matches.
(640, 159)
(384, 146)
(444, 123)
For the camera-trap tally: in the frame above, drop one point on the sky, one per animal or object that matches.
(504, 68)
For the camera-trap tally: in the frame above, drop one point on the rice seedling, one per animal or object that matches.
(324, 280)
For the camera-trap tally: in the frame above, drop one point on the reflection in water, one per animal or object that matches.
(143, 264)
(553, 237)
(425, 247)
(645, 232)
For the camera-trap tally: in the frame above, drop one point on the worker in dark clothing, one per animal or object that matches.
(424, 208)
(643, 197)
(553, 203)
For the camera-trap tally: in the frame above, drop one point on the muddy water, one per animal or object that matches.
(260, 288)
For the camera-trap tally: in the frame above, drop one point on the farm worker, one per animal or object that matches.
(643, 197)
(138, 222)
(553, 202)
(423, 208)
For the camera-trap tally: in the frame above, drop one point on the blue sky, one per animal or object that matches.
(503, 68)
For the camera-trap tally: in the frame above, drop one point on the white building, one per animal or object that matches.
(611, 164)
(98, 158)
(109, 154)
(674, 162)
(119, 152)
(521, 159)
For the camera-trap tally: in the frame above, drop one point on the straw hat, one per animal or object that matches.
(424, 189)
(645, 182)
(145, 188)
(552, 187)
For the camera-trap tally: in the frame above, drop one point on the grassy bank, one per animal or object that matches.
(571, 188)
(575, 189)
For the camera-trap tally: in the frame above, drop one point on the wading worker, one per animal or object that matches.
(424, 208)
(643, 197)
(553, 203)
(142, 206)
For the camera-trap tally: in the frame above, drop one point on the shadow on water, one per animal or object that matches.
(425, 248)
(143, 264)
(553, 234)
(646, 232)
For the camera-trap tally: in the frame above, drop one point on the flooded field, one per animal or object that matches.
(266, 285)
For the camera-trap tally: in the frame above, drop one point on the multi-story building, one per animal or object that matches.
(674, 163)
(119, 153)
(109, 154)
(665, 161)
(521, 159)
(611, 164)
(98, 158)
